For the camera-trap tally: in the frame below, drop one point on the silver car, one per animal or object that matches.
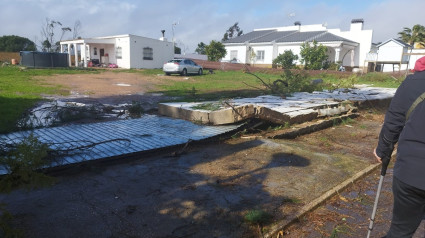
(182, 67)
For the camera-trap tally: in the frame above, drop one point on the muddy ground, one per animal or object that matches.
(211, 189)
(112, 87)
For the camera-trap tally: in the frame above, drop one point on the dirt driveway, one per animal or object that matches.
(112, 87)
(210, 191)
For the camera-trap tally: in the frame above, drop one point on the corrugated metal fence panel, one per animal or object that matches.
(108, 139)
(43, 59)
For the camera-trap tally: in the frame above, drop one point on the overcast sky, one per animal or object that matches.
(203, 20)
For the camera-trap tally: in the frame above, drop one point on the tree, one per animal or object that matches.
(286, 60)
(48, 32)
(414, 35)
(177, 50)
(232, 32)
(313, 57)
(76, 32)
(14, 43)
(201, 48)
(215, 50)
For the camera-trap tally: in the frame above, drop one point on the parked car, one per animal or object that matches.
(182, 67)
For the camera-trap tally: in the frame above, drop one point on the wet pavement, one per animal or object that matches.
(206, 192)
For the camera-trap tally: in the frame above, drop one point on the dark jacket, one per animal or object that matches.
(410, 134)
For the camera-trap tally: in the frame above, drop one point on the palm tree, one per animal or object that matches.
(414, 35)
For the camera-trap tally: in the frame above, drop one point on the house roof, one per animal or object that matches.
(329, 37)
(274, 36)
(400, 42)
(249, 36)
(301, 36)
(268, 36)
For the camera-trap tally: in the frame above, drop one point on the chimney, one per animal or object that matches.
(163, 36)
(356, 24)
(297, 24)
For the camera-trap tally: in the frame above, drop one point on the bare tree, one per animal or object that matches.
(48, 31)
(77, 30)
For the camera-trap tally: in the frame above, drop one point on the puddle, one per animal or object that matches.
(57, 112)
(123, 85)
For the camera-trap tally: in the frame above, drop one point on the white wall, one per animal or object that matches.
(163, 51)
(413, 58)
(124, 43)
(268, 53)
(363, 37)
(296, 49)
(390, 52)
(241, 49)
(108, 49)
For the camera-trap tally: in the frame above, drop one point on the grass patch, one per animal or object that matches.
(234, 84)
(21, 89)
(222, 84)
(208, 106)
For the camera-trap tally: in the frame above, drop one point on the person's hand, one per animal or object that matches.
(376, 156)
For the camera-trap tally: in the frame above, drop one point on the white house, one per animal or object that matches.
(126, 51)
(261, 46)
(394, 55)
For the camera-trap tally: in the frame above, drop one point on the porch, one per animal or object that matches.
(88, 52)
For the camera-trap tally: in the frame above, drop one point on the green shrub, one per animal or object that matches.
(135, 109)
(286, 60)
(315, 56)
(22, 163)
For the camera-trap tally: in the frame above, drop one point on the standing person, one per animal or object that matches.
(405, 124)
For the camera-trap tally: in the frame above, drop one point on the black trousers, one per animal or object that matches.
(408, 210)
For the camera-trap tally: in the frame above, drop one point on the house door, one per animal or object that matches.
(102, 54)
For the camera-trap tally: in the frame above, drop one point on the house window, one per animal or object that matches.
(118, 52)
(95, 51)
(233, 55)
(260, 55)
(147, 53)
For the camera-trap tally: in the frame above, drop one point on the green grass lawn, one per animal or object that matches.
(21, 89)
(231, 84)
(221, 84)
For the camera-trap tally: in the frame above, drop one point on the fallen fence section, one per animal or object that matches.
(298, 108)
(84, 142)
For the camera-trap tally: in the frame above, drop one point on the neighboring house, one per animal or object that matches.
(261, 46)
(393, 55)
(126, 51)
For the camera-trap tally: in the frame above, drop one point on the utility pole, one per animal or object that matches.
(172, 28)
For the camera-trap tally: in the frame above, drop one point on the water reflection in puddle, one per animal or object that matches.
(57, 112)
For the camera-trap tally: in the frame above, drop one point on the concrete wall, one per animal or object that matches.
(163, 51)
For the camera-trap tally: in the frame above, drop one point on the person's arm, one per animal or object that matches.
(393, 124)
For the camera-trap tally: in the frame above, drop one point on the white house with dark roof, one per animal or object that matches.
(349, 47)
(125, 51)
(391, 55)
